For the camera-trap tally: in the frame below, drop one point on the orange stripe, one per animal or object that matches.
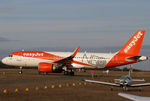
(46, 56)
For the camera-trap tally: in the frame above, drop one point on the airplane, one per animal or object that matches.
(56, 62)
(134, 97)
(124, 82)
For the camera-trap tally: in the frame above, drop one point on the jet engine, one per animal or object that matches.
(48, 68)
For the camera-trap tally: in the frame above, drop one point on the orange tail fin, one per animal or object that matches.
(130, 49)
(133, 46)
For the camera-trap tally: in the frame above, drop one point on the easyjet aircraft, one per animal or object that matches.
(51, 62)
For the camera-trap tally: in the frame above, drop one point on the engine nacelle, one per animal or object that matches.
(48, 68)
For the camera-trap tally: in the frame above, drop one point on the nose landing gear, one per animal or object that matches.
(20, 72)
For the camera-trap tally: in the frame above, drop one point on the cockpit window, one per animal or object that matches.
(10, 56)
(128, 78)
(122, 77)
(125, 78)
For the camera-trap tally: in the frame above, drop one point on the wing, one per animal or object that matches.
(117, 80)
(138, 80)
(67, 60)
(104, 83)
(129, 96)
(140, 85)
(134, 97)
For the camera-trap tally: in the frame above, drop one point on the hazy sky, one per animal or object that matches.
(93, 24)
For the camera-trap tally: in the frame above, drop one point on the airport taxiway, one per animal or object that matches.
(72, 88)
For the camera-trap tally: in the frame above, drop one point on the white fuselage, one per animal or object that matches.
(98, 60)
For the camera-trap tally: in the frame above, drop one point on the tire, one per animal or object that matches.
(72, 73)
(65, 72)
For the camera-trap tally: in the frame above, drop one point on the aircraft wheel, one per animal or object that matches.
(72, 73)
(39, 73)
(140, 89)
(125, 88)
(111, 89)
(69, 73)
(20, 72)
(65, 72)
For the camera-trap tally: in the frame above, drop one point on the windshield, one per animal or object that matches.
(10, 55)
(122, 78)
(128, 78)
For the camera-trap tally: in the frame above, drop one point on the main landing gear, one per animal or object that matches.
(125, 88)
(71, 73)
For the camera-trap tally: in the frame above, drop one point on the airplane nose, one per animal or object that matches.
(4, 60)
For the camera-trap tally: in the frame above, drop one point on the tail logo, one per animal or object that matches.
(133, 42)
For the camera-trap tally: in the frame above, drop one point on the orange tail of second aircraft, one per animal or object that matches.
(130, 52)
